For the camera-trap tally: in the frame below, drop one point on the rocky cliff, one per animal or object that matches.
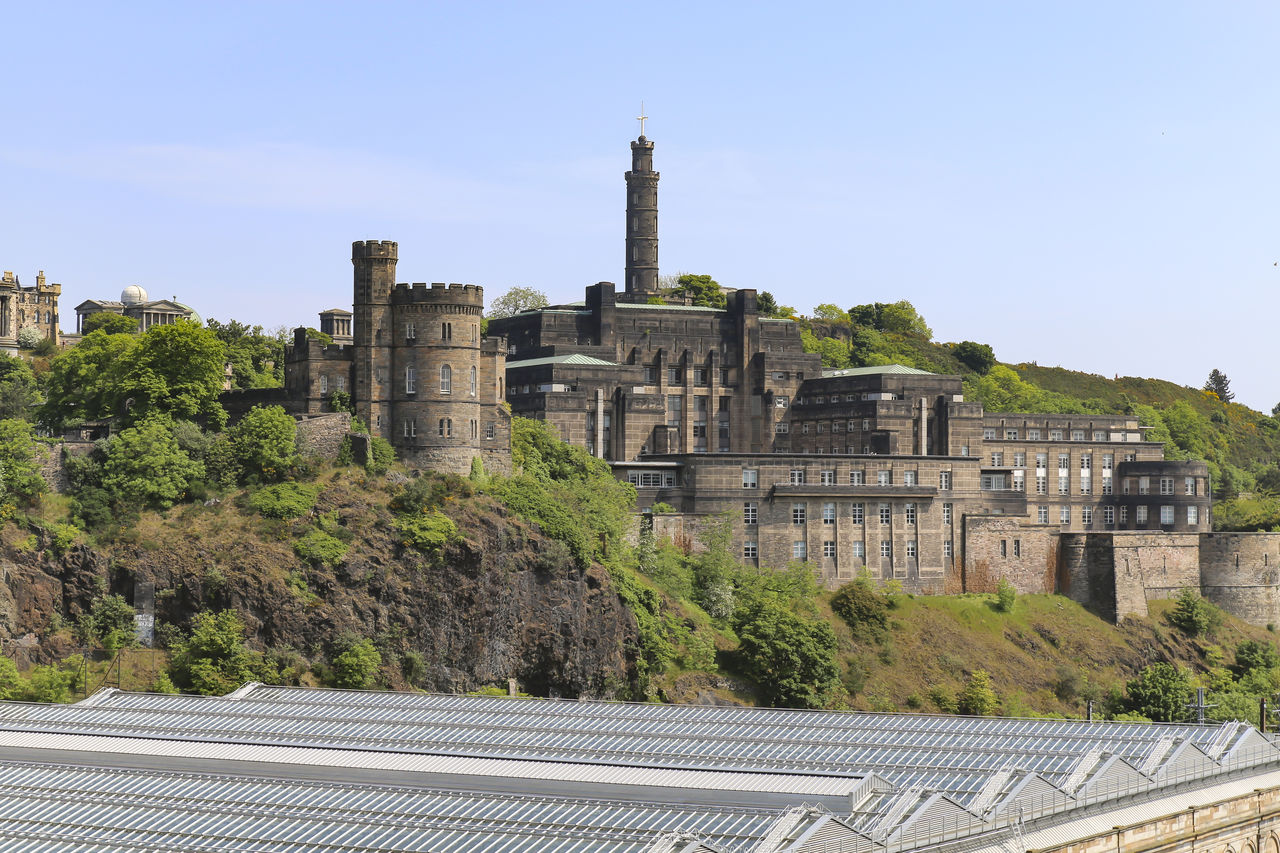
(503, 602)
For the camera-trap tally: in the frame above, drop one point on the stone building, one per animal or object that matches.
(720, 412)
(135, 303)
(413, 361)
(21, 307)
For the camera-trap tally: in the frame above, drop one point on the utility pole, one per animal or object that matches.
(1199, 706)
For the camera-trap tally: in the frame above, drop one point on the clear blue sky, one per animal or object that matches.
(1086, 184)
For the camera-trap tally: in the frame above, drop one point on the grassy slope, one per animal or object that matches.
(1047, 642)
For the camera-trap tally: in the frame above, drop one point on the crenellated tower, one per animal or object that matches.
(642, 221)
(375, 279)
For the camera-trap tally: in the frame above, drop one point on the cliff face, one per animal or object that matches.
(505, 602)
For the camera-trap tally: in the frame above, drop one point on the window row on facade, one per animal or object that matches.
(446, 380)
(855, 512)
(444, 428)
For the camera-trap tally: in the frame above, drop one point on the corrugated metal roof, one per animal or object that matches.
(576, 358)
(875, 371)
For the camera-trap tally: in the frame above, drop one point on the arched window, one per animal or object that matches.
(473, 380)
(446, 379)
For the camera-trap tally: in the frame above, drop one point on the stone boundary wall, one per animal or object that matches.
(1005, 547)
(321, 435)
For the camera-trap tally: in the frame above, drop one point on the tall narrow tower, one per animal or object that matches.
(375, 278)
(642, 220)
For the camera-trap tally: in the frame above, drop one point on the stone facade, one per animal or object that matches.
(21, 307)
(414, 363)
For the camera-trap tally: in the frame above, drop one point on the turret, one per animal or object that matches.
(375, 279)
(375, 270)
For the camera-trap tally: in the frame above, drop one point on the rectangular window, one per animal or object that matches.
(859, 551)
(828, 548)
(857, 511)
(1086, 516)
(1124, 514)
(700, 376)
(799, 551)
(997, 460)
(944, 480)
(1077, 435)
(1108, 515)
(829, 513)
(946, 548)
(1108, 461)
(782, 428)
(1011, 435)
(1064, 485)
(1033, 435)
(804, 428)
(488, 430)
(1193, 515)
(1189, 485)
(1086, 460)
(884, 513)
(1166, 515)
(1166, 485)
(989, 434)
(857, 478)
(886, 548)
(1017, 547)
(749, 550)
(1064, 514)
(1042, 514)
(1106, 486)
(675, 376)
(411, 381)
(1004, 547)
(797, 476)
(827, 478)
(1099, 435)
(884, 478)
(1144, 485)
(911, 513)
(1042, 485)
(410, 428)
(1019, 481)
(797, 513)
(1042, 461)
(946, 513)
(651, 376)
(908, 478)
(866, 423)
(750, 512)
(1055, 435)
(750, 478)
(1086, 483)
(781, 401)
(1140, 514)
(1019, 460)
(911, 549)
(1064, 461)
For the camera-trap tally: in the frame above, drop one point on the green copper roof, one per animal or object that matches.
(636, 305)
(576, 358)
(877, 370)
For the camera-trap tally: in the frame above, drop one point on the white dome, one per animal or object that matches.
(133, 295)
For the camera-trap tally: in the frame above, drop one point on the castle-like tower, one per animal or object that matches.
(642, 222)
(375, 279)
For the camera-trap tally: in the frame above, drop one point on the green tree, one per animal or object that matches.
(176, 370)
(10, 680)
(214, 660)
(515, 300)
(767, 305)
(256, 356)
(111, 323)
(977, 357)
(978, 697)
(829, 312)
(19, 394)
(1256, 655)
(145, 466)
(898, 318)
(863, 609)
(1192, 614)
(19, 477)
(1220, 385)
(356, 667)
(82, 383)
(264, 442)
(834, 352)
(701, 289)
(1160, 692)
(790, 658)
(110, 622)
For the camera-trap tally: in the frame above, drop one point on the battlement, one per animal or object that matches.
(375, 249)
(438, 293)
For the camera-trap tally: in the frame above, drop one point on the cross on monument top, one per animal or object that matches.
(641, 118)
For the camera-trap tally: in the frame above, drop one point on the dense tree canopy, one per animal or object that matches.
(176, 370)
(700, 289)
(791, 658)
(18, 391)
(146, 467)
(256, 357)
(264, 442)
(977, 357)
(112, 324)
(19, 479)
(82, 381)
(899, 318)
(1161, 692)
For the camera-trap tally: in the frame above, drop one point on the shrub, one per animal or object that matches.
(381, 455)
(1254, 654)
(146, 466)
(428, 531)
(662, 508)
(791, 659)
(978, 698)
(863, 609)
(355, 668)
(62, 537)
(264, 442)
(1005, 596)
(316, 546)
(29, 337)
(214, 659)
(284, 500)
